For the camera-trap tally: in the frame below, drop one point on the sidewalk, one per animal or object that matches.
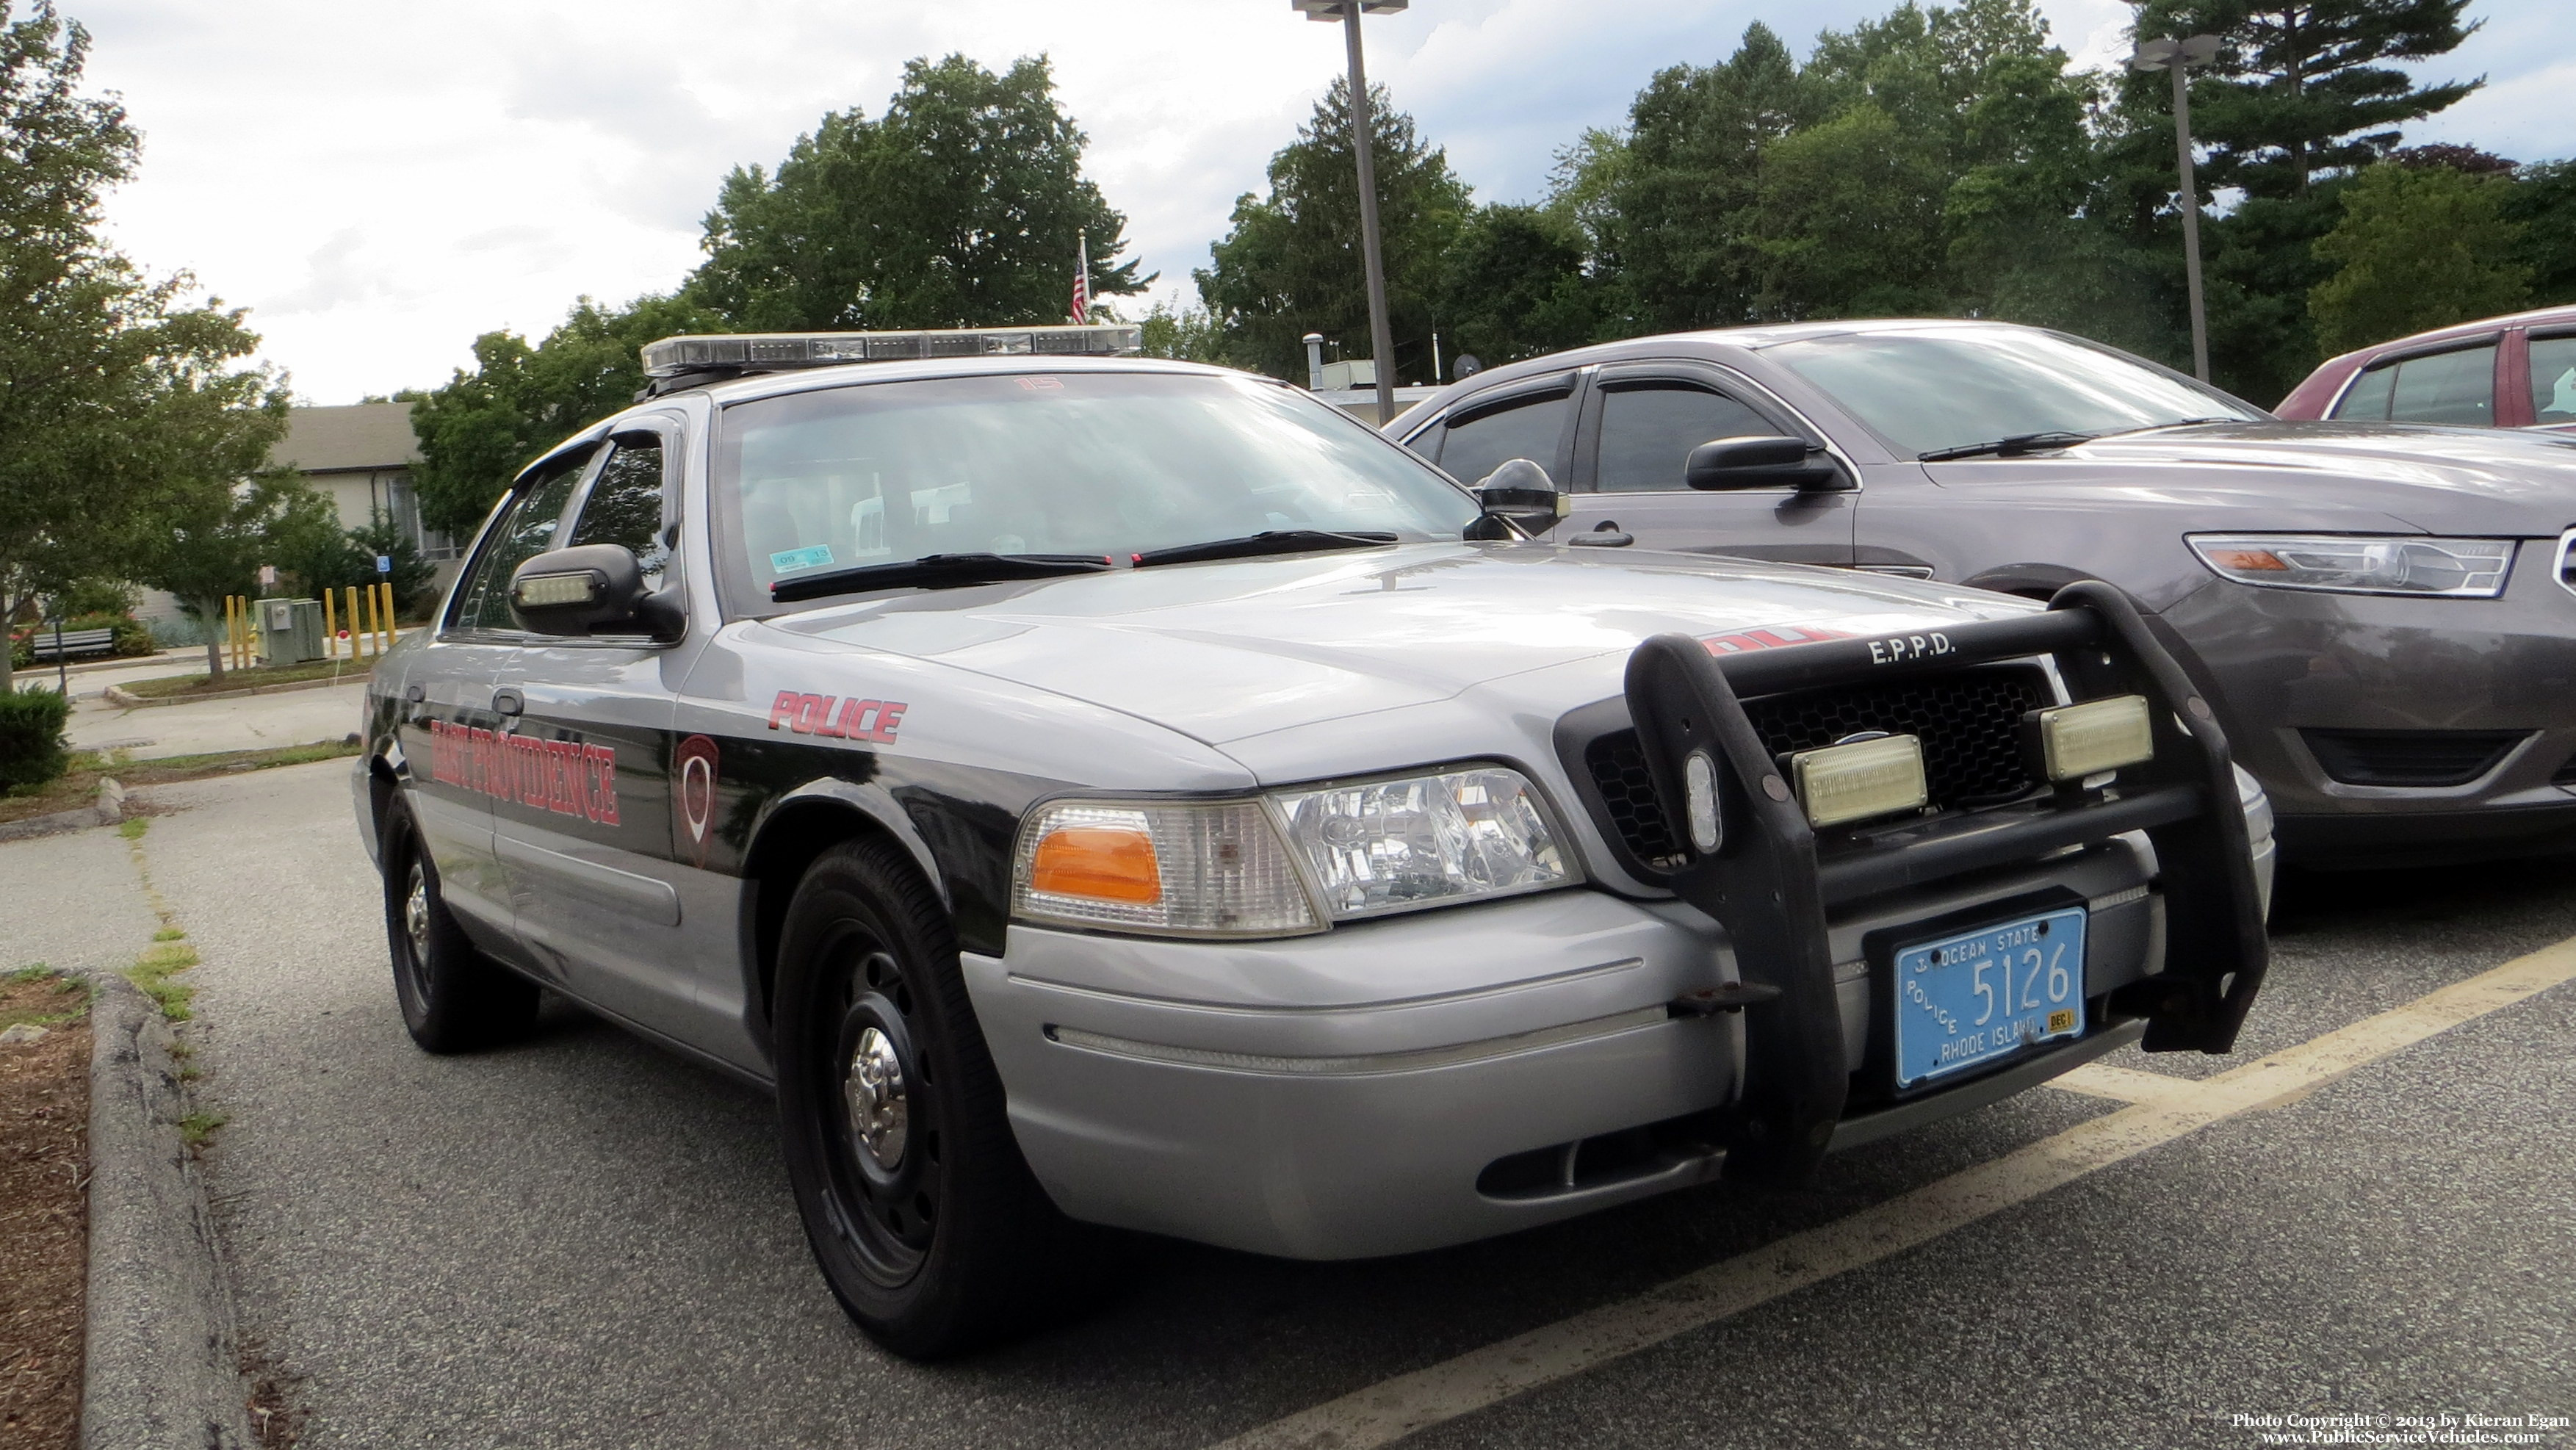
(244, 722)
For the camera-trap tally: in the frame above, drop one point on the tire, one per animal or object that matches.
(922, 1215)
(453, 998)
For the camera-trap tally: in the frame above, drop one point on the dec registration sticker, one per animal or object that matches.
(1985, 995)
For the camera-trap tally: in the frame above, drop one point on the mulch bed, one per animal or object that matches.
(44, 1218)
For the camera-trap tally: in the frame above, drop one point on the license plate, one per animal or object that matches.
(1984, 995)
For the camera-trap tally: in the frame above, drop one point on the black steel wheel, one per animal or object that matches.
(921, 1213)
(453, 997)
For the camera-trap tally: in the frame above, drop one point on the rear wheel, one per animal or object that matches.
(925, 1220)
(453, 997)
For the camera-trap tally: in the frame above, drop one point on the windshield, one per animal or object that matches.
(1925, 389)
(1067, 463)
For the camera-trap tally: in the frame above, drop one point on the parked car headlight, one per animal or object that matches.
(1425, 839)
(2361, 563)
(1216, 868)
(1230, 868)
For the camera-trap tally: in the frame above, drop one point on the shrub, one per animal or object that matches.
(32, 749)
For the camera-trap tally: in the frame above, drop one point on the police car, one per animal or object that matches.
(1092, 790)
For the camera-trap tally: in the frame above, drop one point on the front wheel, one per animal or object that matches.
(453, 997)
(926, 1222)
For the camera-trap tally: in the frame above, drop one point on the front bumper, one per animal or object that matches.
(2286, 667)
(1342, 1096)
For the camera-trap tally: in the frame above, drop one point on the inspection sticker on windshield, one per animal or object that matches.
(812, 556)
(1972, 999)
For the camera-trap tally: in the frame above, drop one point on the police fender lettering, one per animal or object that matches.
(566, 777)
(1896, 649)
(1774, 636)
(871, 720)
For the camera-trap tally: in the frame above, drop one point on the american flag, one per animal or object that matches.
(1082, 280)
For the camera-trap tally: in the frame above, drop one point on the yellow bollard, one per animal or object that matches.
(330, 627)
(357, 641)
(386, 611)
(232, 632)
(367, 602)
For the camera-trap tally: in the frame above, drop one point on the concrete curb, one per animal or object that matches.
(125, 699)
(107, 810)
(161, 1369)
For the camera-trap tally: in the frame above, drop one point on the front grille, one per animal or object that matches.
(2410, 757)
(1969, 723)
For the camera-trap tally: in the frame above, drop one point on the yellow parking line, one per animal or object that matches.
(1388, 1411)
(2123, 1084)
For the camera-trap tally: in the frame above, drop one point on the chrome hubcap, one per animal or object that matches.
(416, 916)
(872, 1088)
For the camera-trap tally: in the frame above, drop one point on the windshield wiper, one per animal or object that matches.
(2013, 447)
(1269, 541)
(936, 571)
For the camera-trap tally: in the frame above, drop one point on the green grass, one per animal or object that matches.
(196, 1128)
(154, 973)
(133, 829)
(166, 686)
(152, 772)
(169, 933)
(68, 1002)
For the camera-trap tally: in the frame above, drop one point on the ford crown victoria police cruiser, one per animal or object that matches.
(1099, 791)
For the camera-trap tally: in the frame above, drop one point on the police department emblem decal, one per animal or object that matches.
(695, 765)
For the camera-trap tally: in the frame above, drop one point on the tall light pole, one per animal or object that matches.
(2178, 56)
(1381, 334)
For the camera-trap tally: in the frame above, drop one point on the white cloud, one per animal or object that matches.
(381, 182)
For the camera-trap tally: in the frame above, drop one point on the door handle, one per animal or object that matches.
(1604, 535)
(507, 702)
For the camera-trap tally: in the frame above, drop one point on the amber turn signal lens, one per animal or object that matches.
(1101, 863)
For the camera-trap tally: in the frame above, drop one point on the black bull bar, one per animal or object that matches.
(1766, 887)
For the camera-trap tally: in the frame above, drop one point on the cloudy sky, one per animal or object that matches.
(379, 182)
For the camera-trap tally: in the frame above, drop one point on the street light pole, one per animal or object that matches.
(1364, 147)
(2179, 56)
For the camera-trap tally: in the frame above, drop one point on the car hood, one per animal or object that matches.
(2278, 474)
(1224, 651)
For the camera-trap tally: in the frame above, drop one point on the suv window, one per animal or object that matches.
(2443, 387)
(526, 531)
(1530, 428)
(625, 505)
(1648, 432)
(2553, 380)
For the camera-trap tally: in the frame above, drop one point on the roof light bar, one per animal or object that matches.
(777, 351)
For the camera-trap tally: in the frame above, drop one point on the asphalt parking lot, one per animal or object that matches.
(578, 1241)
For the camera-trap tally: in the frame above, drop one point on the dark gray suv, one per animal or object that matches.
(2384, 613)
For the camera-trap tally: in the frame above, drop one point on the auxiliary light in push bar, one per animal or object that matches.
(2080, 740)
(782, 351)
(1864, 778)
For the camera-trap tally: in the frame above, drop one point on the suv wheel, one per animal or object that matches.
(924, 1218)
(453, 997)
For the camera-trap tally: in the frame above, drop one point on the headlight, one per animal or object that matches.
(2361, 564)
(1179, 869)
(1423, 840)
(1230, 868)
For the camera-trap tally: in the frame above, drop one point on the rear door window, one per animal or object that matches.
(2456, 387)
(2553, 380)
(1531, 427)
(1648, 431)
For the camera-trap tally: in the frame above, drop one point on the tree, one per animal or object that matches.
(2418, 247)
(2302, 94)
(962, 207)
(214, 537)
(116, 393)
(1515, 285)
(1290, 262)
(2542, 202)
(477, 432)
(1189, 334)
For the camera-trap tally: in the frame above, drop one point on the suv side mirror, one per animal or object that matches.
(591, 589)
(1762, 460)
(1521, 492)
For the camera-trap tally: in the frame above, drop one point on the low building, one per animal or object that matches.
(360, 456)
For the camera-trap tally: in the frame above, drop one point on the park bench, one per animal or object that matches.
(47, 645)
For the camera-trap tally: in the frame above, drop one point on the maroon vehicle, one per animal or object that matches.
(2501, 372)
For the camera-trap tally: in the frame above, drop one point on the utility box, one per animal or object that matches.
(290, 631)
(1358, 372)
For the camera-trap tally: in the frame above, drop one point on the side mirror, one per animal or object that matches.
(590, 589)
(1762, 460)
(1521, 492)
